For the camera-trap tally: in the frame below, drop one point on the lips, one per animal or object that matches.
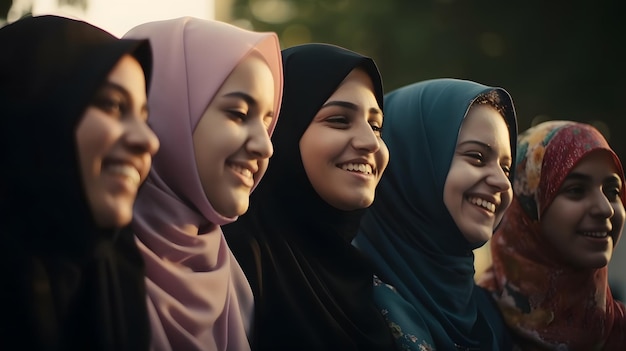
(125, 170)
(364, 168)
(241, 170)
(595, 234)
(487, 205)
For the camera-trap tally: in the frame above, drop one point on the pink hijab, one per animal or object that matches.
(198, 296)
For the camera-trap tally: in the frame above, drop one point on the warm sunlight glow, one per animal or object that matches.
(118, 16)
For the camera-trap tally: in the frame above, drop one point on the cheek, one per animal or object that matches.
(382, 158)
(618, 217)
(263, 164)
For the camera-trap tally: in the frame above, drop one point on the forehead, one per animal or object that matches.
(356, 83)
(599, 163)
(484, 123)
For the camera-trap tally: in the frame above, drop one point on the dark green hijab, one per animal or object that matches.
(409, 233)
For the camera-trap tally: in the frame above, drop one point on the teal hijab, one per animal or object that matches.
(428, 295)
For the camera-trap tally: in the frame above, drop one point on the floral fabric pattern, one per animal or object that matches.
(404, 339)
(547, 304)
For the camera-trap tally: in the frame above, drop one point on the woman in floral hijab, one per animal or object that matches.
(550, 254)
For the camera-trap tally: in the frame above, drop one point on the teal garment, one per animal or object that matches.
(431, 301)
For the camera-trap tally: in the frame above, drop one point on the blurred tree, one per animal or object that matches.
(559, 59)
(81, 4)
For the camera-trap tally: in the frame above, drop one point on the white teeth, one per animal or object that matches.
(241, 170)
(357, 167)
(483, 203)
(596, 234)
(127, 171)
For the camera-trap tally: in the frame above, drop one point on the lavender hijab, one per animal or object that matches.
(198, 296)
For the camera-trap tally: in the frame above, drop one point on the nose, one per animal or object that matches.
(364, 137)
(601, 206)
(498, 179)
(140, 137)
(259, 143)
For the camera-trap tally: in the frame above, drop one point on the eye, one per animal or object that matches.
(378, 130)
(612, 193)
(110, 104)
(237, 115)
(507, 170)
(338, 121)
(267, 121)
(476, 158)
(574, 191)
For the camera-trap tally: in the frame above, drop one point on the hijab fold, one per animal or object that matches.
(547, 303)
(426, 265)
(69, 285)
(312, 288)
(198, 296)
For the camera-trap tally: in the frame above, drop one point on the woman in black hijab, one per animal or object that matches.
(75, 147)
(312, 287)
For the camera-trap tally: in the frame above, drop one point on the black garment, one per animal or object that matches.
(67, 285)
(313, 289)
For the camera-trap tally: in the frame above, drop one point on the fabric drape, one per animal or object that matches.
(312, 288)
(198, 296)
(546, 302)
(425, 265)
(68, 285)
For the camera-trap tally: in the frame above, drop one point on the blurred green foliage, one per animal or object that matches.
(558, 59)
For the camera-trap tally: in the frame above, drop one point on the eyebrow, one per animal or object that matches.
(351, 106)
(247, 98)
(587, 178)
(479, 143)
(111, 85)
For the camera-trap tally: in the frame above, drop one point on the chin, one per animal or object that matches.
(477, 237)
(115, 219)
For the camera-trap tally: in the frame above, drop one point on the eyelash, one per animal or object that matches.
(480, 161)
(578, 192)
(238, 115)
(111, 105)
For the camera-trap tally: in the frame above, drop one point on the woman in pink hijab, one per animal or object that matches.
(215, 98)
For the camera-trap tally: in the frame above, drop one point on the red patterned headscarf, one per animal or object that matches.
(547, 304)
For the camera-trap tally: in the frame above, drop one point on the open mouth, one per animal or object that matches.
(241, 170)
(124, 170)
(595, 234)
(487, 205)
(364, 168)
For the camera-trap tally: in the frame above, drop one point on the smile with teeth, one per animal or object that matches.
(489, 206)
(596, 234)
(127, 171)
(241, 170)
(357, 167)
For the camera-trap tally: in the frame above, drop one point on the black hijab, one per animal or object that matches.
(313, 289)
(68, 285)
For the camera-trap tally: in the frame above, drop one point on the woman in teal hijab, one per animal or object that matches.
(452, 143)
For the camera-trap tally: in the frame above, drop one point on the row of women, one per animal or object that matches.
(357, 238)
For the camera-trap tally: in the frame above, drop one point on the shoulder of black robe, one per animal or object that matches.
(313, 289)
(67, 284)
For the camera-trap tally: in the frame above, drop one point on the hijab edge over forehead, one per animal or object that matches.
(79, 58)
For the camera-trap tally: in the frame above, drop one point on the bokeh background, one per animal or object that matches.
(558, 59)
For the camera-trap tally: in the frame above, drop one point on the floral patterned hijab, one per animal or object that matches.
(546, 303)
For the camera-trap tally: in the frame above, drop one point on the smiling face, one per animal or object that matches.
(585, 219)
(115, 145)
(342, 151)
(231, 142)
(477, 190)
